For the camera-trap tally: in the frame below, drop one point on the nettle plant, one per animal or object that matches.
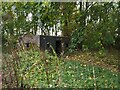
(36, 69)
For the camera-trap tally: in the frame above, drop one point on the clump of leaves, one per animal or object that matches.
(101, 53)
(40, 69)
(33, 68)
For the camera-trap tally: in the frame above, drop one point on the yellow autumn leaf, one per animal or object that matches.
(90, 78)
(97, 62)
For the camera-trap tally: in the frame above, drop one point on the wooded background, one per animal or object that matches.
(94, 24)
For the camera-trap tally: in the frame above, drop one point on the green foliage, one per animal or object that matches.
(76, 40)
(34, 69)
(40, 70)
(80, 75)
(102, 53)
(100, 29)
(95, 26)
(92, 28)
(43, 70)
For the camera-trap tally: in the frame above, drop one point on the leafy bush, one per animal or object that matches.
(76, 40)
(45, 67)
(34, 69)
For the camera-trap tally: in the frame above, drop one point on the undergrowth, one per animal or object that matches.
(32, 69)
(36, 69)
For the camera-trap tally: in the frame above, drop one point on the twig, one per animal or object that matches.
(94, 78)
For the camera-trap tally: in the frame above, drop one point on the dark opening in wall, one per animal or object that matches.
(27, 45)
(67, 45)
(48, 45)
(58, 46)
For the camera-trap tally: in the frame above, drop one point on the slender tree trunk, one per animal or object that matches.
(80, 6)
(55, 31)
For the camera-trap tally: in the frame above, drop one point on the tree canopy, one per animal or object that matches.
(94, 24)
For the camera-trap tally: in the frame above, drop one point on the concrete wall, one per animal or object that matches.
(59, 44)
